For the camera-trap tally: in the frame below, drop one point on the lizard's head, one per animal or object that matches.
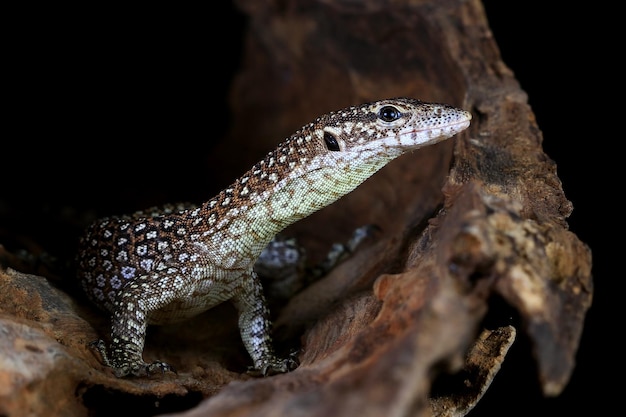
(329, 157)
(362, 139)
(386, 128)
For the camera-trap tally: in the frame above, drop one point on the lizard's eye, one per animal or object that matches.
(331, 142)
(389, 114)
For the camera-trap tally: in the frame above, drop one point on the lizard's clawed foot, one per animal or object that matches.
(142, 369)
(128, 367)
(274, 366)
(156, 367)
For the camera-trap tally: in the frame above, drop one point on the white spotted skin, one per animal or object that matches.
(161, 267)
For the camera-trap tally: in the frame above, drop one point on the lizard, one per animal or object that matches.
(168, 267)
(284, 268)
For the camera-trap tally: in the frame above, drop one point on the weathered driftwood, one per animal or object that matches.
(473, 219)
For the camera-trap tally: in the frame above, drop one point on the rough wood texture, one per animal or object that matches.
(417, 322)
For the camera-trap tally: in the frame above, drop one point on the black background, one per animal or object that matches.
(561, 56)
(120, 91)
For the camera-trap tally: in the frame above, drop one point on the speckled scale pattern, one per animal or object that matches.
(165, 266)
(119, 250)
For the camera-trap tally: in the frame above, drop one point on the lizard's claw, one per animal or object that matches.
(126, 367)
(274, 366)
(142, 369)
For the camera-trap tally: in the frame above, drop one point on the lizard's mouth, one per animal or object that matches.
(457, 127)
(436, 134)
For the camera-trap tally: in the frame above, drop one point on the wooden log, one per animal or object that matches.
(473, 249)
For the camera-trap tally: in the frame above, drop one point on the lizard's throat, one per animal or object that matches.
(298, 196)
(252, 223)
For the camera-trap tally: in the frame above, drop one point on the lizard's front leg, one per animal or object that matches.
(129, 322)
(255, 328)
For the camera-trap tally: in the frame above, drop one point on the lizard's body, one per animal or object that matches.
(168, 267)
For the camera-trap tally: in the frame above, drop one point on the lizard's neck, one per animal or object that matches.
(317, 165)
(264, 201)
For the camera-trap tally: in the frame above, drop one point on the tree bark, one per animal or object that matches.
(473, 248)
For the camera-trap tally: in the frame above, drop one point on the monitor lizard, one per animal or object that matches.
(167, 267)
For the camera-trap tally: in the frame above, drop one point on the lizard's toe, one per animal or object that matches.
(274, 366)
(158, 366)
(142, 369)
